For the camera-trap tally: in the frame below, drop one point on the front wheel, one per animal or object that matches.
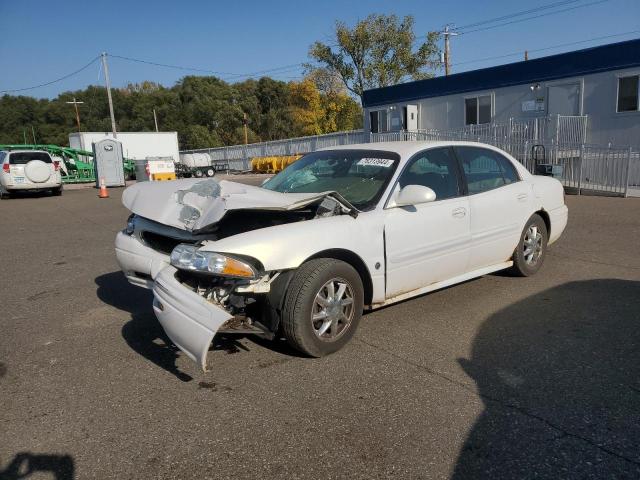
(532, 248)
(199, 174)
(323, 306)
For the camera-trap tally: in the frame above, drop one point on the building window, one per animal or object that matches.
(379, 122)
(628, 93)
(477, 110)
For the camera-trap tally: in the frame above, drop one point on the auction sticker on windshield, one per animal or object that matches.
(378, 162)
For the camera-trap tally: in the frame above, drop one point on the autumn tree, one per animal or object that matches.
(377, 52)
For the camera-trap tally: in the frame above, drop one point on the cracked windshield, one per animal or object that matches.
(360, 176)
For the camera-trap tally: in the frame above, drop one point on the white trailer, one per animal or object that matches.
(135, 145)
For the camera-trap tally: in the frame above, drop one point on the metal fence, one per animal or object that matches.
(558, 140)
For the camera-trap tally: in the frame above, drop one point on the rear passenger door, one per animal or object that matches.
(429, 242)
(499, 204)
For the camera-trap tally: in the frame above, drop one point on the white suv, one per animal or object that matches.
(32, 170)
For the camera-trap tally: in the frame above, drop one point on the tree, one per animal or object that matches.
(315, 112)
(377, 52)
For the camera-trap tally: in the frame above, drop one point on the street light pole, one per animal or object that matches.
(108, 83)
(75, 104)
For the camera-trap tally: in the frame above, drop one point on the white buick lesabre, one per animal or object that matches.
(336, 232)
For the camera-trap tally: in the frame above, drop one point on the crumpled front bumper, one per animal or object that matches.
(139, 263)
(188, 319)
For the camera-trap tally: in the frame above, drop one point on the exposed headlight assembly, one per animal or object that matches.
(188, 257)
(131, 224)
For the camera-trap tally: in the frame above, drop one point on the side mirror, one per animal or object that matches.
(414, 195)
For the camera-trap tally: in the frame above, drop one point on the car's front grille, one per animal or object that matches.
(161, 243)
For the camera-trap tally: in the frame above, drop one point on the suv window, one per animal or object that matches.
(436, 169)
(21, 158)
(485, 169)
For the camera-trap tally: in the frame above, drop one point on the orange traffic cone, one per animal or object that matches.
(103, 189)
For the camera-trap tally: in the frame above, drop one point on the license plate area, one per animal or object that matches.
(18, 179)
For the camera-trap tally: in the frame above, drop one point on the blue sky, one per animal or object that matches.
(44, 40)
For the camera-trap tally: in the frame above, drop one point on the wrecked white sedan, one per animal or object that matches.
(338, 231)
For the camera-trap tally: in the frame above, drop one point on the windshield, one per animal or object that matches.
(360, 176)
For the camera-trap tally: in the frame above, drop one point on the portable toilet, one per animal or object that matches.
(107, 158)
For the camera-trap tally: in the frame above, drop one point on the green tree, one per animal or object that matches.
(377, 52)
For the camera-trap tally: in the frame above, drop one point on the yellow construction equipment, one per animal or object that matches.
(272, 164)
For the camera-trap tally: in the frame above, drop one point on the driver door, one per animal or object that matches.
(429, 242)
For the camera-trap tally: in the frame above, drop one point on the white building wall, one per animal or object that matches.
(135, 145)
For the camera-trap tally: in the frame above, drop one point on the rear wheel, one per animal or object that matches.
(532, 248)
(210, 172)
(323, 306)
(56, 191)
(199, 174)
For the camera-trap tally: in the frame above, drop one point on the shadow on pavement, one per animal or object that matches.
(559, 373)
(26, 464)
(142, 333)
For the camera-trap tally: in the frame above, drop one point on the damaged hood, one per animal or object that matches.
(192, 204)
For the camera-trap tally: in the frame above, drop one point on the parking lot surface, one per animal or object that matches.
(499, 377)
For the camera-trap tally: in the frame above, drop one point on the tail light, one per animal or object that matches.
(56, 165)
(147, 169)
(5, 167)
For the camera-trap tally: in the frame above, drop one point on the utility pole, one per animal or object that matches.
(108, 82)
(75, 104)
(526, 55)
(244, 123)
(447, 50)
(155, 119)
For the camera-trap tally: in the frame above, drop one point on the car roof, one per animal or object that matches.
(406, 149)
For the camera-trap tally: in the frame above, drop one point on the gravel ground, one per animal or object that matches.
(496, 378)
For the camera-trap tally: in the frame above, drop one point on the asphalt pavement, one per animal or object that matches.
(499, 377)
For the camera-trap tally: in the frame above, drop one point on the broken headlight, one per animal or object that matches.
(188, 257)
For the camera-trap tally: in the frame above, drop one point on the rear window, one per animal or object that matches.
(20, 158)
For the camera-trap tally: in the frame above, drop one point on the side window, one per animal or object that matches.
(481, 168)
(435, 169)
(508, 170)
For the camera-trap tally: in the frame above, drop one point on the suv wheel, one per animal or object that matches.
(323, 306)
(56, 191)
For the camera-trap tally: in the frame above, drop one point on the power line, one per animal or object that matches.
(547, 48)
(534, 17)
(228, 75)
(518, 14)
(176, 67)
(53, 81)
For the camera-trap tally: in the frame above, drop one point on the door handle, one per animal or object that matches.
(459, 212)
(522, 197)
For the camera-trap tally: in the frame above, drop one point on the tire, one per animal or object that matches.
(534, 236)
(210, 172)
(56, 192)
(309, 282)
(198, 174)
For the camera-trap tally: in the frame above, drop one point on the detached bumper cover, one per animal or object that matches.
(135, 258)
(188, 319)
